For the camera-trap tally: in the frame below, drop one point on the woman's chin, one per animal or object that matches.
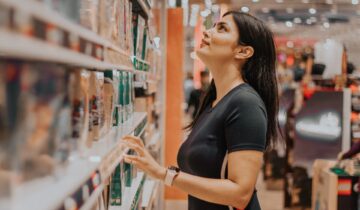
(201, 54)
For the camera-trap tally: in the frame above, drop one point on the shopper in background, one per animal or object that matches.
(188, 85)
(196, 95)
(237, 120)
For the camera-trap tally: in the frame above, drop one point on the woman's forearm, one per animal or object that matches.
(219, 191)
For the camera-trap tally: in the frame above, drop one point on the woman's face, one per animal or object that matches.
(220, 42)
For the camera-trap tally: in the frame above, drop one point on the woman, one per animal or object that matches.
(221, 159)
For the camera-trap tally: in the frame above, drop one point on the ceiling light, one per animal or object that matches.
(215, 8)
(279, 1)
(297, 20)
(265, 10)
(312, 11)
(289, 24)
(308, 21)
(326, 25)
(245, 9)
(290, 10)
(208, 4)
(305, 1)
(255, 1)
(205, 13)
(355, 2)
(290, 44)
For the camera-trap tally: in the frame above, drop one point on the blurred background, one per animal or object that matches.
(78, 75)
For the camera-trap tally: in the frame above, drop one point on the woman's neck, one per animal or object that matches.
(226, 78)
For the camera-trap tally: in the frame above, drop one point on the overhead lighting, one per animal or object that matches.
(215, 8)
(312, 11)
(245, 9)
(305, 1)
(290, 44)
(297, 20)
(265, 10)
(255, 1)
(326, 25)
(208, 4)
(289, 24)
(279, 1)
(205, 13)
(172, 3)
(308, 21)
(290, 10)
(355, 2)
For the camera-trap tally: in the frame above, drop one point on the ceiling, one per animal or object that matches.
(307, 19)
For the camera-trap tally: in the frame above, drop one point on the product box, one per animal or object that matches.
(121, 97)
(117, 186)
(96, 104)
(129, 28)
(89, 14)
(333, 191)
(5, 21)
(44, 119)
(116, 83)
(140, 35)
(109, 99)
(106, 17)
(79, 97)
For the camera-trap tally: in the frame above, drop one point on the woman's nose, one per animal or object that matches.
(206, 33)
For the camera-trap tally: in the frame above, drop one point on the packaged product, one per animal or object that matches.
(89, 14)
(116, 83)
(140, 36)
(43, 122)
(79, 85)
(4, 16)
(23, 23)
(129, 34)
(107, 9)
(121, 107)
(126, 95)
(117, 186)
(96, 104)
(108, 99)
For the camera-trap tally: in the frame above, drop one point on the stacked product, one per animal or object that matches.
(50, 111)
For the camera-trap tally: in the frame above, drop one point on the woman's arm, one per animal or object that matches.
(236, 191)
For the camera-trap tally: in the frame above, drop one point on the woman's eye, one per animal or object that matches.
(221, 28)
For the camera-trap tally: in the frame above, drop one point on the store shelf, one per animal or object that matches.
(18, 46)
(52, 191)
(149, 194)
(131, 194)
(93, 198)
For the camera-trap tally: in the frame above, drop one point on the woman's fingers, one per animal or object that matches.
(134, 140)
(138, 149)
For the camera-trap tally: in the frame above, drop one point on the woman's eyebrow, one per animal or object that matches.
(219, 23)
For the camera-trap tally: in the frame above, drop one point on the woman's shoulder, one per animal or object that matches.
(246, 95)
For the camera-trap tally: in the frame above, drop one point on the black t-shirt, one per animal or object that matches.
(237, 122)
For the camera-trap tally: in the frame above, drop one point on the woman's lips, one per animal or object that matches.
(204, 43)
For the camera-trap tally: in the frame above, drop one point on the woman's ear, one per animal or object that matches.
(244, 52)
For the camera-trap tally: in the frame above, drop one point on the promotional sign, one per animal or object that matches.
(322, 128)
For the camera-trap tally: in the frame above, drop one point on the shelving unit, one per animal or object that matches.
(149, 194)
(131, 194)
(96, 165)
(104, 156)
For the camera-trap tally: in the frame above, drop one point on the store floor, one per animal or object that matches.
(269, 200)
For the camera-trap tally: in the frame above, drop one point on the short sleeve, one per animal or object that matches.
(245, 124)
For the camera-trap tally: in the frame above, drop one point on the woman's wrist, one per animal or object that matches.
(162, 174)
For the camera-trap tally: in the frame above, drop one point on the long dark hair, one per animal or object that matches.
(258, 71)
